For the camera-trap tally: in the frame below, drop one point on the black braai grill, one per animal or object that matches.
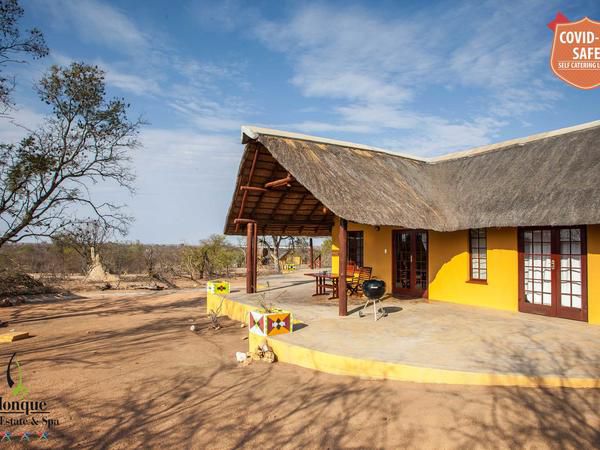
(374, 290)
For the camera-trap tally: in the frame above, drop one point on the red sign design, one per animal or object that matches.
(575, 54)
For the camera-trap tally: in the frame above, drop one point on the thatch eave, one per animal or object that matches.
(545, 179)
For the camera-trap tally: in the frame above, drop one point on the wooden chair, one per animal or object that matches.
(351, 269)
(355, 286)
(351, 272)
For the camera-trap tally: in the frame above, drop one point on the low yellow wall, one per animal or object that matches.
(593, 267)
(340, 364)
(225, 307)
(449, 269)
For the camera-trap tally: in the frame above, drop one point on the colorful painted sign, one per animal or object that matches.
(270, 324)
(218, 287)
(575, 56)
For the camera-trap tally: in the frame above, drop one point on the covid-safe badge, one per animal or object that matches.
(575, 56)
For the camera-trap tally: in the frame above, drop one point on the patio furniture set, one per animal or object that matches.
(328, 283)
(358, 282)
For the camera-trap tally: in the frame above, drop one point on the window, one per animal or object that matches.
(355, 247)
(478, 252)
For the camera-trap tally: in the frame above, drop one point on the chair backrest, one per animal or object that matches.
(364, 274)
(350, 271)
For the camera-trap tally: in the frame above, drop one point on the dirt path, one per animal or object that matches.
(124, 371)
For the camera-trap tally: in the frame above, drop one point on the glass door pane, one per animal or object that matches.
(421, 260)
(537, 256)
(570, 268)
(403, 260)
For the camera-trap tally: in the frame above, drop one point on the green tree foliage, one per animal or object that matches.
(14, 45)
(44, 180)
(214, 256)
(121, 258)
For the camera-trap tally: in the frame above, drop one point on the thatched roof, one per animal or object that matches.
(547, 179)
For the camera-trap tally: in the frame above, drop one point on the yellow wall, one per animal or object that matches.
(449, 269)
(377, 251)
(593, 240)
(449, 266)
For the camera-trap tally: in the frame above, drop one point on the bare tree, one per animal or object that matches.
(273, 245)
(45, 179)
(82, 236)
(14, 46)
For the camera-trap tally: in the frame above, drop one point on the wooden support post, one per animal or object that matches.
(310, 253)
(281, 182)
(245, 194)
(242, 221)
(255, 260)
(343, 258)
(253, 188)
(250, 258)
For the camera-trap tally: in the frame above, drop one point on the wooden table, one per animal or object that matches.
(321, 283)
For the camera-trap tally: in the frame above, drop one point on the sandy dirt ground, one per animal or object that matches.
(122, 370)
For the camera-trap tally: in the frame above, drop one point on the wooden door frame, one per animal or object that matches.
(545, 310)
(574, 313)
(554, 309)
(413, 291)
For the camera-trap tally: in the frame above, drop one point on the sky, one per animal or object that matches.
(423, 78)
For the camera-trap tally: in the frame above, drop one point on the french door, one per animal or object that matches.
(409, 262)
(553, 272)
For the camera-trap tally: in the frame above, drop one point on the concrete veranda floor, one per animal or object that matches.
(435, 334)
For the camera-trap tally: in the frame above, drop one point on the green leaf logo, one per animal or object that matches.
(19, 390)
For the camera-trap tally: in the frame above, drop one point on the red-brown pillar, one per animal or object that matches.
(250, 258)
(255, 260)
(343, 256)
(310, 253)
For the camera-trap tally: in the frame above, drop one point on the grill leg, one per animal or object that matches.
(361, 313)
(378, 310)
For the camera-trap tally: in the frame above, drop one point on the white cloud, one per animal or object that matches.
(436, 136)
(502, 48)
(420, 134)
(17, 122)
(378, 69)
(207, 114)
(171, 150)
(98, 22)
(129, 82)
(153, 66)
(349, 54)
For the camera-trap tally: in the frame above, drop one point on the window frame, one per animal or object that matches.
(353, 235)
(479, 258)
